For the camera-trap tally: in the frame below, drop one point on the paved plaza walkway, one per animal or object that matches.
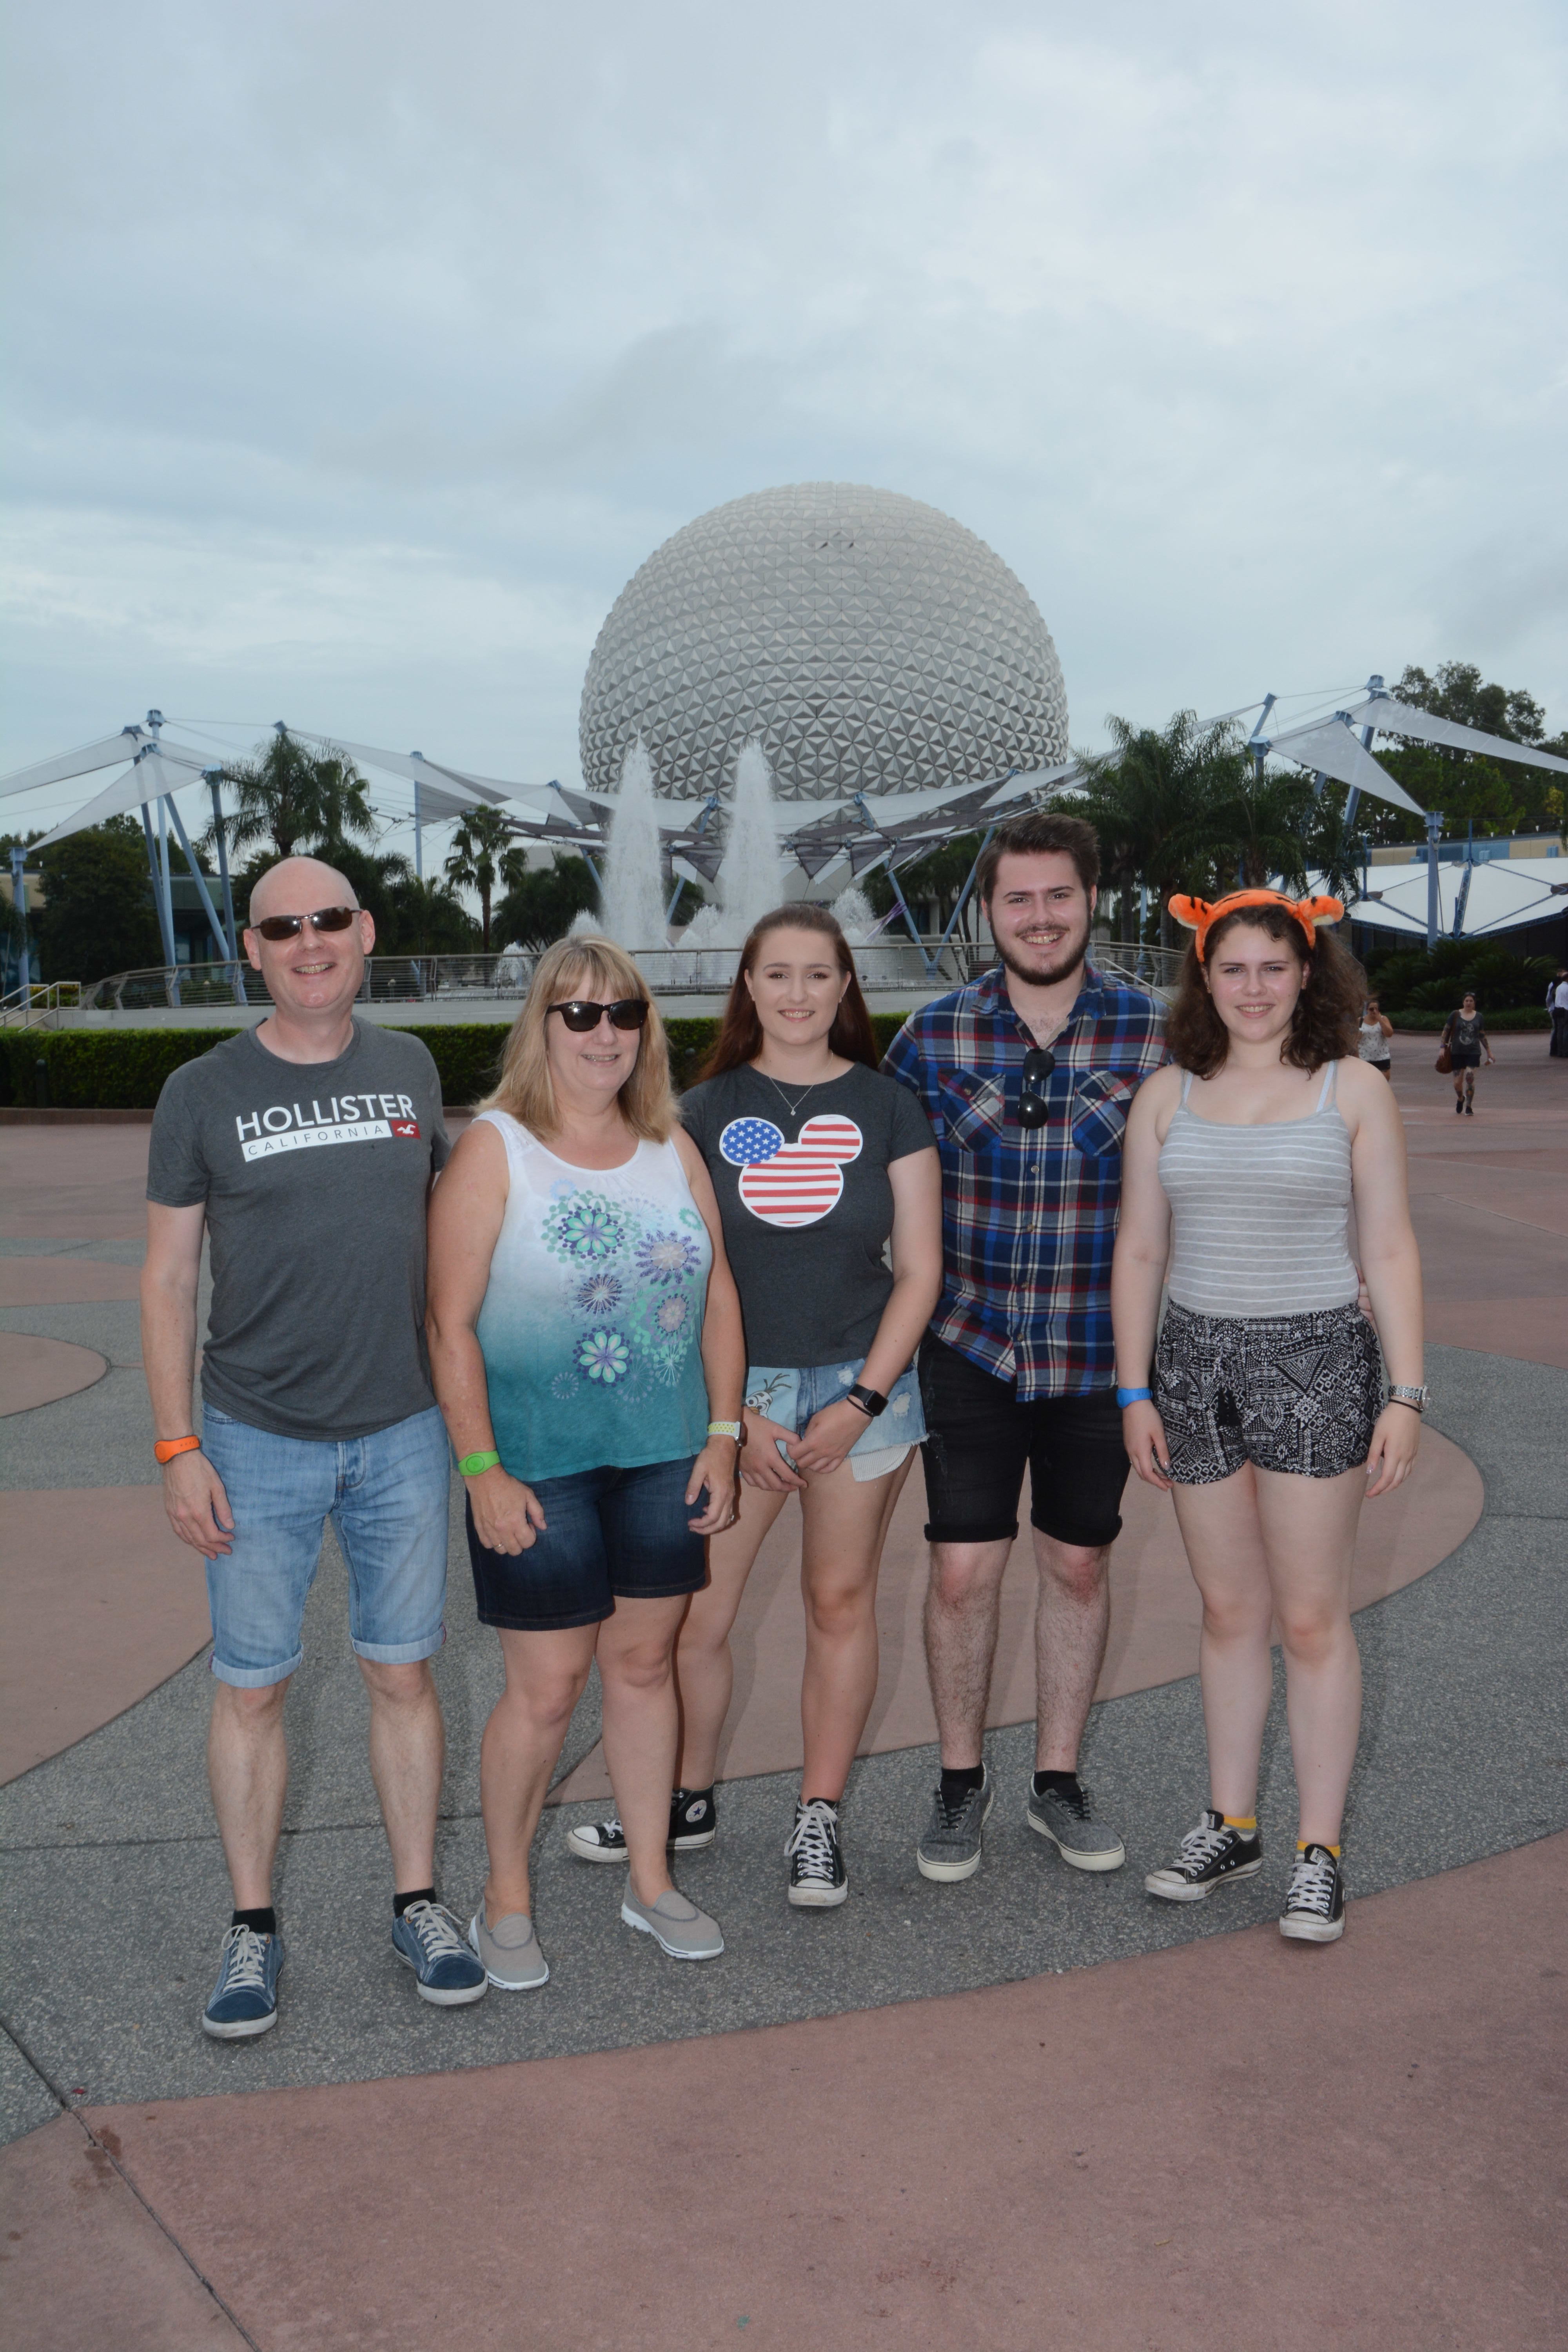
(1031, 2111)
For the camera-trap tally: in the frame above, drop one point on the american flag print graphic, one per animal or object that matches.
(790, 1183)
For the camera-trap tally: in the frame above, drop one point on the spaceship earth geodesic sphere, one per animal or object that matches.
(873, 644)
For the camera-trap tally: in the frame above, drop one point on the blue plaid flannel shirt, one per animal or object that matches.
(1030, 1216)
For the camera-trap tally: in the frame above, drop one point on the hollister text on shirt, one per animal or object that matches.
(349, 1118)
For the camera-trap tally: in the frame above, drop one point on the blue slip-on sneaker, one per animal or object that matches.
(429, 1941)
(245, 1998)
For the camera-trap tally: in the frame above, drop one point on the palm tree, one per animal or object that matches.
(1259, 829)
(1154, 801)
(478, 860)
(297, 799)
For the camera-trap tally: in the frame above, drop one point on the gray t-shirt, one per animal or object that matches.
(315, 1177)
(806, 1202)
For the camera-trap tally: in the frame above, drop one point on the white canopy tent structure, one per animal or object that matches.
(1475, 900)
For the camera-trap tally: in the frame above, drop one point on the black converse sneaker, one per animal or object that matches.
(1314, 1909)
(817, 1878)
(1210, 1855)
(693, 1819)
(693, 1822)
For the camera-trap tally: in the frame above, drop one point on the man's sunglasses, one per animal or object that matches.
(626, 1013)
(1034, 1109)
(289, 927)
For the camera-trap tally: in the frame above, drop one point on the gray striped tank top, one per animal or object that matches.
(1258, 1214)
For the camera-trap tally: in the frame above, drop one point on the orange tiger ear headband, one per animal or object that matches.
(1197, 914)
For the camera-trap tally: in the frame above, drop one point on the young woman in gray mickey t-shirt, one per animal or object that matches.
(829, 1190)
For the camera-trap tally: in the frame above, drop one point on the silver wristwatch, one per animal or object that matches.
(1415, 1398)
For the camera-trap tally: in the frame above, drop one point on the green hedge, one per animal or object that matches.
(124, 1069)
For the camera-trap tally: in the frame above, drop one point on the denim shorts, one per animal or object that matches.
(387, 1497)
(609, 1535)
(792, 1393)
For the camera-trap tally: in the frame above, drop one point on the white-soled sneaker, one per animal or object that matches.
(1210, 1855)
(817, 1878)
(1314, 1909)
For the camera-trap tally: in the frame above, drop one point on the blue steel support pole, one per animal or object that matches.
(19, 900)
(199, 878)
(1434, 900)
(1352, 798)
(165, 930)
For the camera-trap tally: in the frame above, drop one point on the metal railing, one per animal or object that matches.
(888, 965)
(39, 1006)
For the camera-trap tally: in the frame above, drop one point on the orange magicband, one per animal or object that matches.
(167, 1447)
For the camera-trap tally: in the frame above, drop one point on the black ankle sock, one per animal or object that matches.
(400, 1903)
(263, 1923)
(1056, 1784)
(959, 1782)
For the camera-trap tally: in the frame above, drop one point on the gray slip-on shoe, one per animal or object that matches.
(509, 1951)
(1087, 1843)
(950, 1847)
(676, 1926)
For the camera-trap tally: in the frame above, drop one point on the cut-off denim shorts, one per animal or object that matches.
(609, 1535)
(387, 1497)
(791, 1393)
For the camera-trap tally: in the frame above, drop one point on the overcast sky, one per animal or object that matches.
(360, 353)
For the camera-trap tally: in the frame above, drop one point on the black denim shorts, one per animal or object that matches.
(980, 1440)
(1299, 1394)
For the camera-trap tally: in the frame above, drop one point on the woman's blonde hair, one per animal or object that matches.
(589, 966)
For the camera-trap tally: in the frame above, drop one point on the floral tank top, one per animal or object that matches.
(593, 1318)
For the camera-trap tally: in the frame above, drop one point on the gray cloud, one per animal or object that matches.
(361, 352)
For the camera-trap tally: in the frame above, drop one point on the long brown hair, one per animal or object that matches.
(740, 1038)
(600, 967)
(1328, 1011)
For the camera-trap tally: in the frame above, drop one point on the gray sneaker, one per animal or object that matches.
(950, 1848)
(509, 1951)
(1087, 1843)
(676, 1926)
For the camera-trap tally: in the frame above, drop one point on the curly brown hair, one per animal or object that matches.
(740, 1038)
(1328, 1011)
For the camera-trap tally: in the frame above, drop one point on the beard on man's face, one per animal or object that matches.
(1038, 967)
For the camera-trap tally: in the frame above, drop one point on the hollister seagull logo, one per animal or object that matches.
(790, 1183)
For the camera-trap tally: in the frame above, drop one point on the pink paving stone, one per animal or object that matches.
(1237, 2146)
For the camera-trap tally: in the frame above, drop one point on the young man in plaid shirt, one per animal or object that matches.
(1025, 1077)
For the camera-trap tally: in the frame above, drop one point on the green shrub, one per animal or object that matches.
(124, 1069)
(1421, 1024)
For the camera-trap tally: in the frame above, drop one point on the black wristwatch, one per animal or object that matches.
(869, 1402)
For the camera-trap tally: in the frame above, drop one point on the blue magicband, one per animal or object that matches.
(1134, 1396)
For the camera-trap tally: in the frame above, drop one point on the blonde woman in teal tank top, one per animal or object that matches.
(586, 1349)
(1263, 1408)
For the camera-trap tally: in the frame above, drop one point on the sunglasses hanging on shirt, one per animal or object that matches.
(626, 1013)
(289, 927)
(1034, 1107)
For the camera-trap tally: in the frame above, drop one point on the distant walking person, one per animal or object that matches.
(304, 1151)
(1263, 1405)
(827, 1183)
(585, 1341)
(1465, 1035)
(1374, 1036)
(1025, 1077)
(1557, 1005)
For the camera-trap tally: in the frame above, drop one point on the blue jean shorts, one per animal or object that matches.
(792, 1393)
(387, 1497)
(609, 1535)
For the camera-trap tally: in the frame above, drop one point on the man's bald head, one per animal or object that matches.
(299, 886)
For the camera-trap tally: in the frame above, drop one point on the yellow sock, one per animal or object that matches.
(1302, 1844)
(1244, 1822)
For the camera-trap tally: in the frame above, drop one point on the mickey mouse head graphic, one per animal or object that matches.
(790, 1183)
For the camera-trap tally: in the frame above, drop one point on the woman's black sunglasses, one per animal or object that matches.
(1034, 1109)
(626, 1013)
(289, 927)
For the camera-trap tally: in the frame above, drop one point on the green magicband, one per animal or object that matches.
(472, 1463)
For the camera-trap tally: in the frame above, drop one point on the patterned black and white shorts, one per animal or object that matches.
(1293, 1392)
